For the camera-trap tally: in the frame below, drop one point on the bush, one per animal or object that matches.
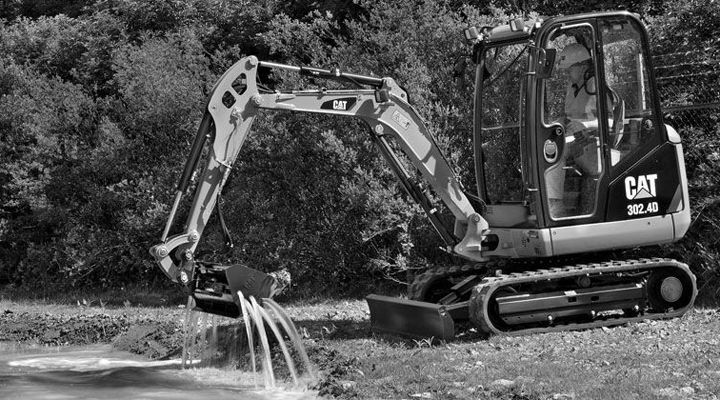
(47, 125)
(87, 180)
(684, 30)
(98, 109)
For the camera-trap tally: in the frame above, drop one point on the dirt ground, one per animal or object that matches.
(668, 359)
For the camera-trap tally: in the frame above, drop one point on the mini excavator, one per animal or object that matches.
(545, 195)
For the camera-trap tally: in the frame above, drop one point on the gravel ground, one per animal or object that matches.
(667, 359)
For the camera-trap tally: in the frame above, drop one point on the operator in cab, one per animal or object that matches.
(580, 100)
(581, 122)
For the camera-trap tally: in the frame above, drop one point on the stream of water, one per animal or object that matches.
(250, 339)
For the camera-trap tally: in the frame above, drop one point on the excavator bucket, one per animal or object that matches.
(410, 318)
(216, 287)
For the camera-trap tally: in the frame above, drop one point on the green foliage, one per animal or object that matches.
(700, 247)
(340, 225)
(690, 23)
(99, 101)
(686, 30)
(162, 85)
(80, 198)
(9, 9)
(51, 44)
(301, 201)
(46, 125)
(76, 50)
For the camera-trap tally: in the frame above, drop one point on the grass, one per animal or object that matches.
(677, 358)
(141, 296)
(654, 359)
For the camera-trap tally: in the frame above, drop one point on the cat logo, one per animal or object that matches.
(642, 187)
(343, 104)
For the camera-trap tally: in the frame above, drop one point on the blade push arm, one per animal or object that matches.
(236, 100)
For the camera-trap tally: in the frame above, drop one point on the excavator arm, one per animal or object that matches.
(234, 103)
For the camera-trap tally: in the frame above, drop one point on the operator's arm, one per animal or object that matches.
(579, 127)
(581, 116)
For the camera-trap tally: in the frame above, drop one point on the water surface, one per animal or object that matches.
(98, 372)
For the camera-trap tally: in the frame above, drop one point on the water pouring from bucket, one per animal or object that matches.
(260, 325)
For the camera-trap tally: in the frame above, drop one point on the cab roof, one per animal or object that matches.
(518, 29)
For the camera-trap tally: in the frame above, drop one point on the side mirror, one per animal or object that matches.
(517, 25)
(472, 34)
(545, 63)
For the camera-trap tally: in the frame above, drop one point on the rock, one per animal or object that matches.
(347, 385)
(563, 396)
(674, 393)
(502, 383)
(51, 334)
(355, 374)
(524, 380)
(665, 392)
(687, 391)
(155, 340)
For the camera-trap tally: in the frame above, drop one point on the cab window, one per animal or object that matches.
(630, 118)
(570, 102)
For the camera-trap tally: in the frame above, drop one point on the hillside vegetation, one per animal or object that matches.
(100, 100)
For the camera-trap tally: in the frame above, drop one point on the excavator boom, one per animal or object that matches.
(233, 105)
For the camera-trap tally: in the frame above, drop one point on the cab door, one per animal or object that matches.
(571, 127)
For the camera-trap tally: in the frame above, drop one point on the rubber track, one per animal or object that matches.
(426, 278)
(482, 293)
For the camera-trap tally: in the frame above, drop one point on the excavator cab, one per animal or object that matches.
(603, 174)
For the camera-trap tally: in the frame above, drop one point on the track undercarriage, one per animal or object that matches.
(572, 297)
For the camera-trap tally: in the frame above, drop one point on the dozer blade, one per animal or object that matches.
(412, 318)
(216, 287)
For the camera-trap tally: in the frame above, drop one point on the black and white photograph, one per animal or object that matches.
(359, 199)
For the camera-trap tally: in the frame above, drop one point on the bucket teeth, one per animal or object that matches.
(216, 287)
(250, 281)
